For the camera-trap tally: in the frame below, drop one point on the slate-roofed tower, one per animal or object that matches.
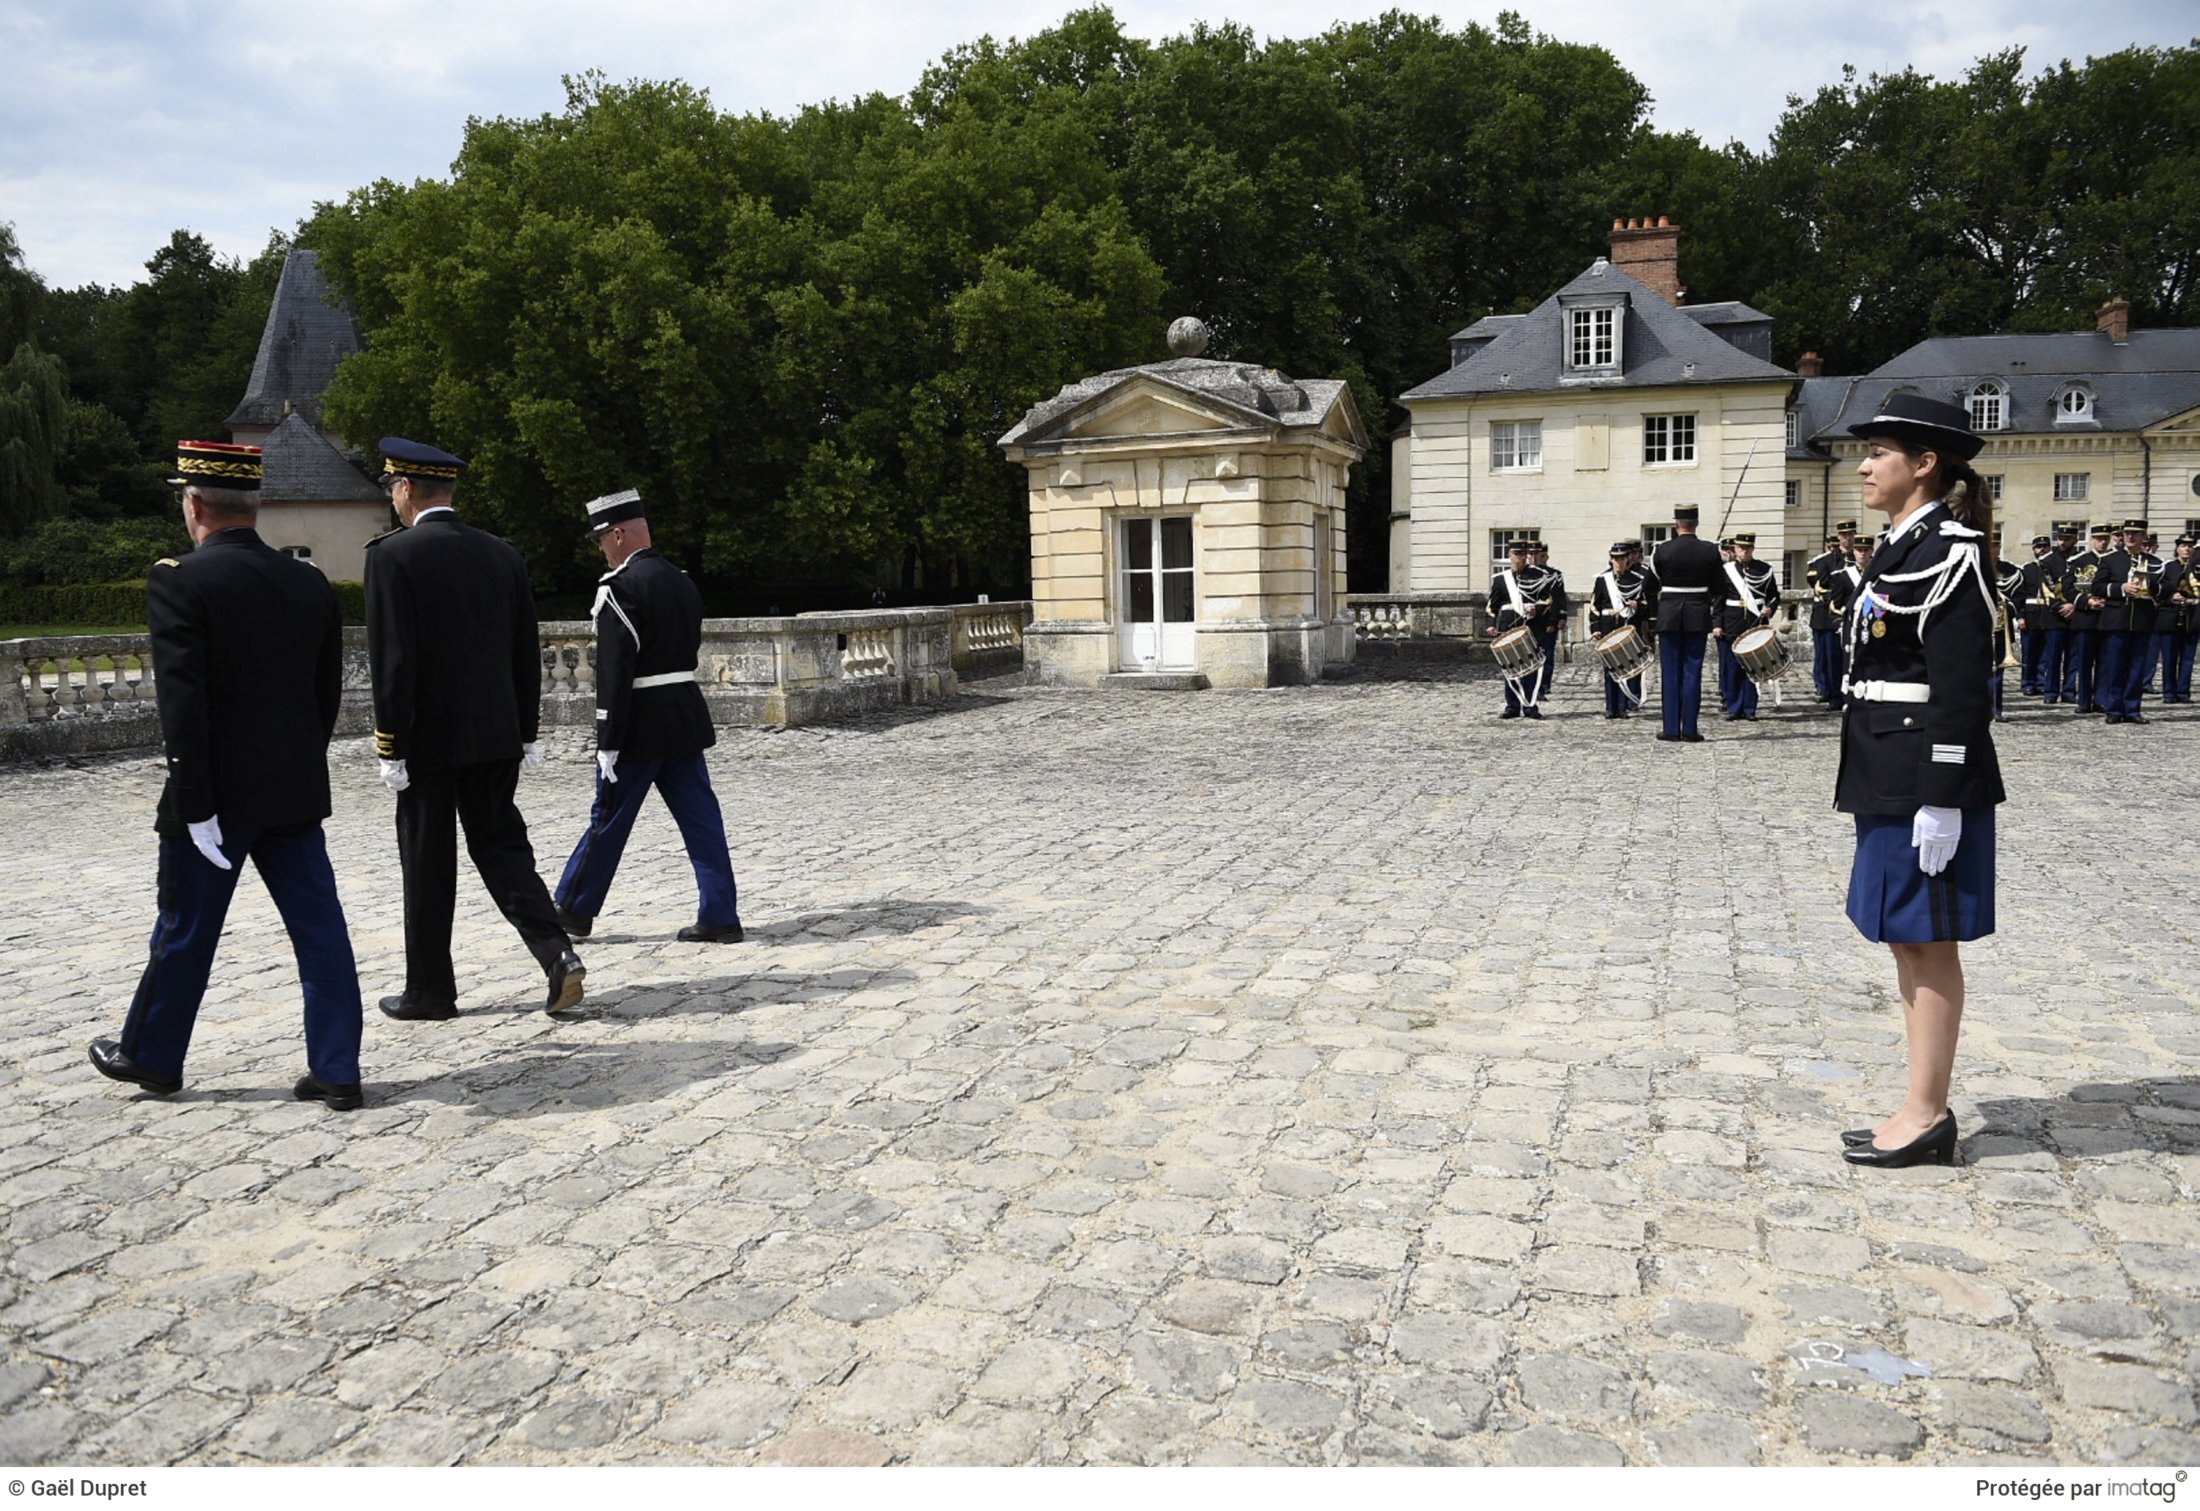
(305, 337)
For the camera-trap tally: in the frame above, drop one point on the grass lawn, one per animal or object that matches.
(41, 631)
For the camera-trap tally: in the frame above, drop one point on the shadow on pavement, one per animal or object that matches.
(864, 920)
(554, 1077)
(2092, 1118)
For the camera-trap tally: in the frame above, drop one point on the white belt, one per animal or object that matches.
(664, 679)
(1891, 692)
(1684, 590)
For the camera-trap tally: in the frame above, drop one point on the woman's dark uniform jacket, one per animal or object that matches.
(649, 623)
(242, 743)
(451, 635)
(1897, 757)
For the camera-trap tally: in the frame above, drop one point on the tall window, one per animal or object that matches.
(2073, 487)
(1992, 480)
(2073, 404)
(1516, 446)
(1668, 438)
(1590, 340)
(1794, 429)
(1988, 406)
(1794, 493)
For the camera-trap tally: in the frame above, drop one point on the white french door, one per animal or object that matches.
(1156, 593)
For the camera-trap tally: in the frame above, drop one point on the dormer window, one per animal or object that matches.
(1595, 331)
(2074, 405)
(1989, 405)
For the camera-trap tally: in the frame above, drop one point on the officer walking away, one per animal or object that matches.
(248, 668)
(457, 665)
(1685, 570)
(652, 727)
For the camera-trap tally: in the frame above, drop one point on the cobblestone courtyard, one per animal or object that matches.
(1329, 1075)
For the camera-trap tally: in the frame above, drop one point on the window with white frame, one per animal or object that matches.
(2073, 487)
(1516, 446)
(1499, 541)
(1668, 438)
(1992, 480)
(2073, 404)
(1592, 337)
(1794, 429)
(1794, 498)
(1654, 536)
(1989, 406)
(2192, 528)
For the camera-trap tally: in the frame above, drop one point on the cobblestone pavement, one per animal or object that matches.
(1319, 1075)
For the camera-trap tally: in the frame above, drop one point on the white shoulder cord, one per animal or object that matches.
(1963, 559)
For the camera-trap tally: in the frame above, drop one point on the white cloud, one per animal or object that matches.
(126, 120)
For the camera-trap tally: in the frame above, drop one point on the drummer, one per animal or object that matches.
(1617, 603)
(1512, 606)
(1752, 598)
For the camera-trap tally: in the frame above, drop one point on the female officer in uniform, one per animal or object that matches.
(1917, 757)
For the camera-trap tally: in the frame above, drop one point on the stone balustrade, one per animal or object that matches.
(81, 695)
(1450, 624)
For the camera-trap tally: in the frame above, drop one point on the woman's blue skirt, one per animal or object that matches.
(1892, 902)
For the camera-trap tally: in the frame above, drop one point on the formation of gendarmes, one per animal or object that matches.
(2100, 627)
(247, 663)
(247, 654)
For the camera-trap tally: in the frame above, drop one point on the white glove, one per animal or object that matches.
(395, 776)
(530, 755)
(207, 835)
(1936, 832)
(607, 762)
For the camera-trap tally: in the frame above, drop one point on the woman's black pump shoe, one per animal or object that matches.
(1853, 1137)
(1935, 1146)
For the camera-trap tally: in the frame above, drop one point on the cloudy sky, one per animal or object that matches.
(123, 119)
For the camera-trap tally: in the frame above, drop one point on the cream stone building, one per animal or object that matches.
(1188, 524)
(1588, 420)
(2080, 426)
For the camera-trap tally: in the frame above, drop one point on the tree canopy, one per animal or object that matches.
(802, 336)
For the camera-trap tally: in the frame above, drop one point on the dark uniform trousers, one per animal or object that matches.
(1737, 693)
(2035, 659)
(684, 783)
(479, 796)
(194, 896)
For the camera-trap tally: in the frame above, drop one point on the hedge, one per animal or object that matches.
(121, 603)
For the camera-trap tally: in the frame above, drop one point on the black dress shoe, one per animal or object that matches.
(109, 1060)
(712, 933)
(566, 975)
(1671, 739)
(408, 1010)
(1510, 713)
(1935, 1146)
(1531, 713)
(575, 926)
(2135, 718)
(339, 1098)
(1692, 739)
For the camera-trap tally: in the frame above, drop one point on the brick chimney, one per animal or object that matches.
(1811, 365)
(2115, 320)
(1650, 254)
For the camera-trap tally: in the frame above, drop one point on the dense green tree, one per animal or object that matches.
(34, 403)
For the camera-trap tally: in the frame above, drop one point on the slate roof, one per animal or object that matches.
(1816, 402)
(2154, 375)
(299, 467)
(1662, 347)
(303, 340)
(1263, 396)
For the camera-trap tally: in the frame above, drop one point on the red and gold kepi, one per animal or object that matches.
(217, 464)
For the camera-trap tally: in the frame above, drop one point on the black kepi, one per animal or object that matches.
(1929, 423)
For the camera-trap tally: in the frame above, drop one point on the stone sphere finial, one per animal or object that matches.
(1188, 336)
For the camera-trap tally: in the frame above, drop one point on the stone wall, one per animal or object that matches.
(87, 694)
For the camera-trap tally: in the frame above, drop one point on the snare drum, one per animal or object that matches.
(1762, 653)
(1624, 652)
(1516, 651)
